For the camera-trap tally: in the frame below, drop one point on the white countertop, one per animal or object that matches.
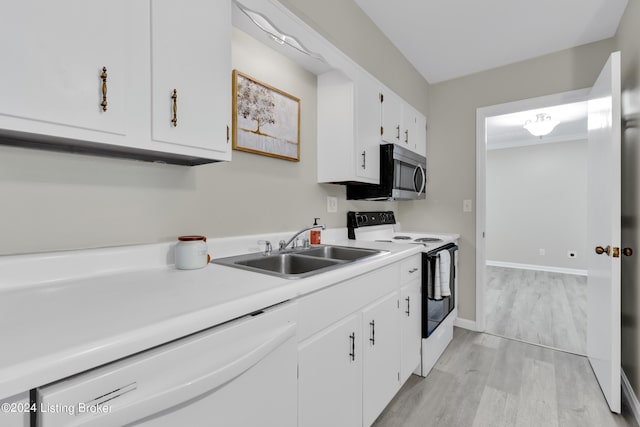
(57, 324)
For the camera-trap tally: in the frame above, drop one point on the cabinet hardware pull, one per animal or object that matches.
(398, 132)
(406, 136)
(103, 76)
(413, 270)
(364, 160)
(352, 337)
(174, 97)
(408, 300)
(600, 250)
(373, 332)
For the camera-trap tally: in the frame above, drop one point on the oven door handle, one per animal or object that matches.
(424, 179)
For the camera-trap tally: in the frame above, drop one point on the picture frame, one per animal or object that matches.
(266, 120)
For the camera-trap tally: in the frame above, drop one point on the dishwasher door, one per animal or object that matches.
(243, 373)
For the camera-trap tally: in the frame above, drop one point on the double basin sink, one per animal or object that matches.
(299, 263)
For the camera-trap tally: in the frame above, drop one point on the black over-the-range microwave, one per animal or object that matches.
(403, 176)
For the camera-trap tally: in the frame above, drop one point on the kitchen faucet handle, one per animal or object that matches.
(267, 246)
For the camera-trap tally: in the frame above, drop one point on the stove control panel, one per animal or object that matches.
(368, 219)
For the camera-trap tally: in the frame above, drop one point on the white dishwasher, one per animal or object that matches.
(242, 373)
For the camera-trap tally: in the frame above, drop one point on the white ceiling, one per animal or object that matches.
(506, 131)
(445, 39)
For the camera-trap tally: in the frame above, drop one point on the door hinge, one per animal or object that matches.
(227, 134)
(298, 371)
(381, 97)
(381, 130)
(398, 301)
(398, 376)
(483, 234)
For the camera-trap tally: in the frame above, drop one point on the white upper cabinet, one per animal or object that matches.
(53, 56)
(98, 78)
(191, 55)
(392, 125)
(348, 128)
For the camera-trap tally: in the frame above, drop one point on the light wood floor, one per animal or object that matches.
(537, 307)
(485, 380)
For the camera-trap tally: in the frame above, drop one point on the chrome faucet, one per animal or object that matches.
(267, 246)
(283, 245)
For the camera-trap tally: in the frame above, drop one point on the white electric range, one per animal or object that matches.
(438, 312)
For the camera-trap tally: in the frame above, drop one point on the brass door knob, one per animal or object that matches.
(627, 251)
(600, 250)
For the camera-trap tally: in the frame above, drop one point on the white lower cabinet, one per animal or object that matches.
(330, 376)
(410, 326)
(15, 411)
(352, 346)
(381, 356)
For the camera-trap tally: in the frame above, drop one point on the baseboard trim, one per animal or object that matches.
(465, 324)
(630, 396)
(534, 267)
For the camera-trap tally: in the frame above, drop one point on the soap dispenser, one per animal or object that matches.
(314, 235)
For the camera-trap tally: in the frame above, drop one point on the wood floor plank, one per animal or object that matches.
(484, 380)
(537, 307)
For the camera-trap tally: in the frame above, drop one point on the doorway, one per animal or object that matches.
(531, 252)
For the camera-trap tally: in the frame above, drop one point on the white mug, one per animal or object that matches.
(191, 252)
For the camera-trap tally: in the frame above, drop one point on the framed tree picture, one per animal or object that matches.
(266, 120)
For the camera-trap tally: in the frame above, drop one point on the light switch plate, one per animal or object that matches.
(467, 205)
(332, 204)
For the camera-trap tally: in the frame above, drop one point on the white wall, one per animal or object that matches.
(537, 199)
(55, 201)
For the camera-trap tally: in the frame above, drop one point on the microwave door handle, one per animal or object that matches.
(424, 179)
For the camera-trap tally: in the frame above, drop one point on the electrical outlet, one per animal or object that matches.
(332, 204)
(467, 205)
(543, 252)
(572, 254)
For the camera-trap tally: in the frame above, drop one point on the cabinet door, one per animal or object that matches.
(368, 116)
(191, 54)
(409, 125)
(410, 324)
(53, 54)
(420, 140)
(391, 118)
(330, 376)
(381, 348)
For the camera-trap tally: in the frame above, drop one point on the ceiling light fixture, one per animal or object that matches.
(543, 125)
(275, 34)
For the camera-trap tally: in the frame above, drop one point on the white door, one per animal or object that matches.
(603, 224)
(381, 353)
(330, 376)
(191, 54)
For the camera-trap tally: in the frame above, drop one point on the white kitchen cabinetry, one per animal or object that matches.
(82, 76)
(392, 124)
(330, 376)
(381, 369)
(352, 344)
(53, 56)
(348, 128)
(410, 325)
(15, 411)
(402, 124)
(191, 54)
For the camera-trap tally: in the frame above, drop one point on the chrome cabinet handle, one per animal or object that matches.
(398, 132)
(406, 136)
(364, 160)
(174, 97)
(408, 300)
(373, 332)
(103, 76)
(352, 337)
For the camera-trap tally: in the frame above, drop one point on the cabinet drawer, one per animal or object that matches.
(411, 268)
(327, 306)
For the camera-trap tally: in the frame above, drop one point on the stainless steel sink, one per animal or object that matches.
(340, 252)
(299, 263)
(288, 264)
